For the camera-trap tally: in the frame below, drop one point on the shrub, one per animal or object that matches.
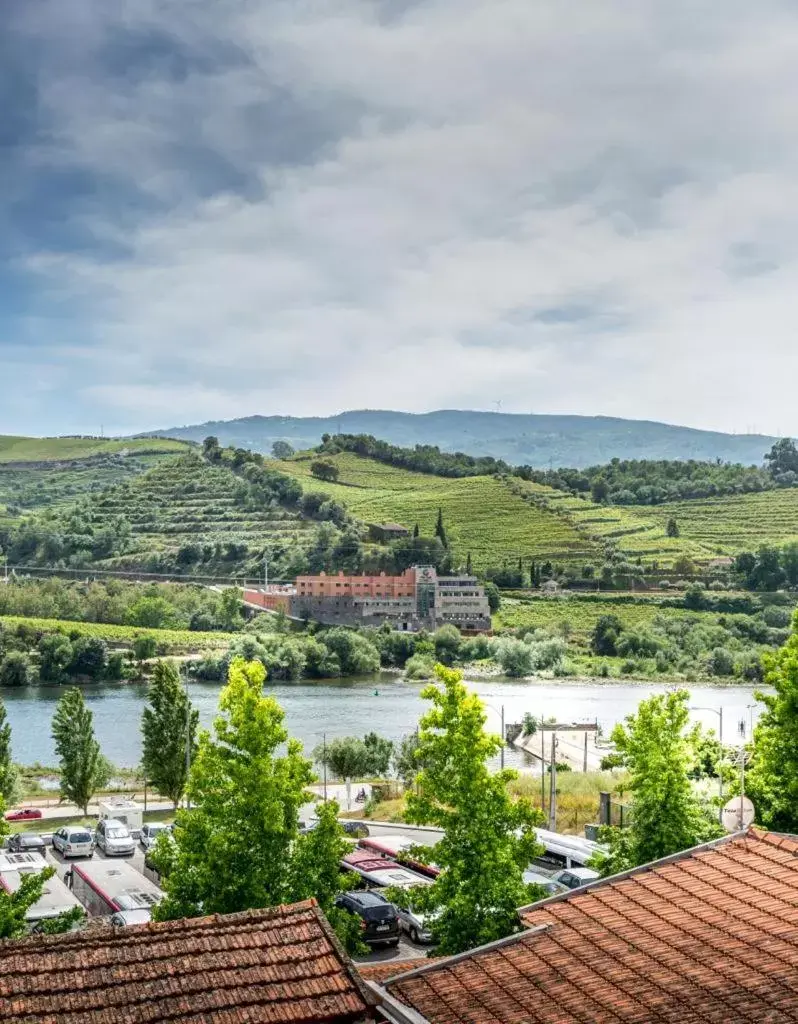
(15, 669)
(720, 662)
(514, 656)
(420, 666)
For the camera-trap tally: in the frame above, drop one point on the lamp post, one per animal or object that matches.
(719, 713)
(500, 713)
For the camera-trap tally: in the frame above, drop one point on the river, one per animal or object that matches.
(385, 704)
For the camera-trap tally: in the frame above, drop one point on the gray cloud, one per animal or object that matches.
(302, 207)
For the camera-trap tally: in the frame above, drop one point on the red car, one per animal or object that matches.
(24, 814)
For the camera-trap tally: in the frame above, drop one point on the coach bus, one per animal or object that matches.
(56, 899)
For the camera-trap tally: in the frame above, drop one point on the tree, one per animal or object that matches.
(380, 751)
(416, 530)
(89, 657)
(659, 751)
(447, 640)
(782, 457)
(347, 757)
(14, 906)
(599, 490)
(83, 768)
(55, 656)
(9, 777)
(231, 608)
(282, 450)
(494, 596)
(469, 568)
(440, 531)
(489, 839)
(605, 636)
(15, 669)
(233, 848)
(152, 613)
(324, 470)
(211, 449)
(672, 528)
(145, 646)
(168, 728)
(406, 760)
(772, 780)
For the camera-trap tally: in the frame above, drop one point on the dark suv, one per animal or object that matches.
(379, 921)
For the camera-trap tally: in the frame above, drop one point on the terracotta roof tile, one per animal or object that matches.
(710, 937)
(281, 965)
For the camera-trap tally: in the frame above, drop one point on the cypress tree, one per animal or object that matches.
(8, 773)
(168, 725)
(83, 768)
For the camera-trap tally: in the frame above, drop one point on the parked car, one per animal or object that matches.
(355, 829)
(149, 833)
(114, 838)
(73, 842)
(573, 878)
(123, 918)
(551, 887)
(24, 814)
(379, 922)
(416, 924)
(27, 842)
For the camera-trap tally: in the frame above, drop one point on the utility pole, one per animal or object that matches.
(324, 762)
(503, 738)
(584, 765)
(553, 785)
(542, 767)
(265, 572)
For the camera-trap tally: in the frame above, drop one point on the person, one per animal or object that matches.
(68, 878)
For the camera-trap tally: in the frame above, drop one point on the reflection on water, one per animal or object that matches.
(352, 707)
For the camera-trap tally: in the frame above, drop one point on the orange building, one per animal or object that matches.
(357, 586)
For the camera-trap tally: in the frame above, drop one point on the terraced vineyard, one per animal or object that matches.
(582, 614)
(482, 516)
(169, 641)
(188, 501)
(734, 523)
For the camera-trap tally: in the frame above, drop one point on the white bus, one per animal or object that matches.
(105, 887)
(56, 898)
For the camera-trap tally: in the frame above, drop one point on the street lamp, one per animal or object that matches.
(500, 712)
(719, 713)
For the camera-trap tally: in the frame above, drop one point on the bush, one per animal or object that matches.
(15, 669)
(605, 635)
(720, 662)
(420, 666)
(514, 656)
(447, 642)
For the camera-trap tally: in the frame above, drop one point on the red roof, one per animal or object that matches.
(710, 935)
(281, 966)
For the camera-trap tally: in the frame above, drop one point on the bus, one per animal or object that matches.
(56, 898)
(105, 887)
(382, 871)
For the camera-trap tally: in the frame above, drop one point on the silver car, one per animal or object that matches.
(114, 838)
(416, 924)
(575, 878)
(73, 842)
(149, 833)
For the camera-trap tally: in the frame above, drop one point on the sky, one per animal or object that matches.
(217, 208)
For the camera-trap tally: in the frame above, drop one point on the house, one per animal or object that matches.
(707, 935)
(383, 533)
(283, 966)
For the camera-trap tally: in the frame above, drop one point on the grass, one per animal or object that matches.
(169, 641)
(64, 449)
(581, 615)
(482, 515)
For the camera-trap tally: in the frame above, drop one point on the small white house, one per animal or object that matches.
(127, 811)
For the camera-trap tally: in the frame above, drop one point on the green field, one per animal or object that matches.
(582, 615)
(65, 449)
(170, 641)
(481, 514)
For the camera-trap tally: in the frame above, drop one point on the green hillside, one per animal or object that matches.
(481, 514)
(65, 449)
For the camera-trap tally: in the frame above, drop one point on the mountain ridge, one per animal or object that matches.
(536, 439)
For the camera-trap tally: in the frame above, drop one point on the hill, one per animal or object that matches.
(535, 440)
(68, 449)
(499, 519)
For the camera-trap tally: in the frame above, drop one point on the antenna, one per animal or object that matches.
(498, 404)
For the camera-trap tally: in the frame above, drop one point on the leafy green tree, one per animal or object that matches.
(55, 656)
(83, 768)
(447, 640)
(168, 727)
(233, 848)
(211, 448)
(324, 470)
(659, 751)
(89, 657)
(347, 757)
(15, 669)
(406, 758)
(15, 905)
(783, 457)
(440, 530)
(672, 528)
(9, 777)
(605, 636)
(489, 840)
(599, 490)
(282, 450)
(145, 646)
(380, 753)
(231, 609)
(772, 779)
(152, 613)
(494, 596)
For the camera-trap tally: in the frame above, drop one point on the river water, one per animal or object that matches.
(386, 704)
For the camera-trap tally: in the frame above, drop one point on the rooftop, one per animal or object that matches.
(282, 966)
(710, 935)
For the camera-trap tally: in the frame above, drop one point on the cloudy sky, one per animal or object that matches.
(213, 208)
